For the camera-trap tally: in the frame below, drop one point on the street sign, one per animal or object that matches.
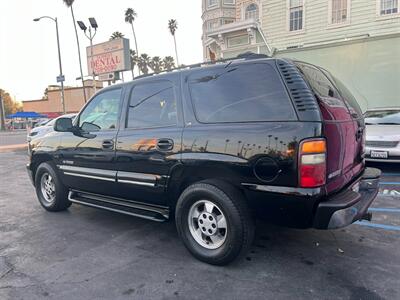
(61, 78)
(106, 77)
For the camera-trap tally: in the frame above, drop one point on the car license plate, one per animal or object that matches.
(379, 154)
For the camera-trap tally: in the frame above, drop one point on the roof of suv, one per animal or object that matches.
(188, 68)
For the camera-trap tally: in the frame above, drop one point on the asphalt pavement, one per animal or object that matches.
(85, 253)
(12, 137)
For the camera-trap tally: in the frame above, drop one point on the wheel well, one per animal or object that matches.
(37, 160)
(183, 177)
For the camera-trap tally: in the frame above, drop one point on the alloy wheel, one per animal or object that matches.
(48, 187)
(207, 224)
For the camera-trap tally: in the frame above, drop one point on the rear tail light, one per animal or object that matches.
(312, 163)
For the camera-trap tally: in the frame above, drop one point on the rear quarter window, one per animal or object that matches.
(240, 93)
(327, 86)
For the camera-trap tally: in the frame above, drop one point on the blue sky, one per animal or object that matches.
(28, 50)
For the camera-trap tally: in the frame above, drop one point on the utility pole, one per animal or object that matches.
(2, 113)
(92, 32)
(61, 72)
(90, 37)
(61, 77)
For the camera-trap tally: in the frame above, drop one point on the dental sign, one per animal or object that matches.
(108, 57)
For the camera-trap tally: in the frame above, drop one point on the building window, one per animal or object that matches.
(229, 2)
(227, 21)
(339, 11)
(238, 40)
(296, 15)
(212, 24)
(211, 3)
(251, 12)
(388, 7)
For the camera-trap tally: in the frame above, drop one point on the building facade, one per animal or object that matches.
(52, 106)
(357, 40)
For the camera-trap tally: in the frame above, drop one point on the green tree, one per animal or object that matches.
(10, 106)
(143, 63)
(116, 35)
(45, 94)
(168, 63)
(130, 16)
(173, 26)
(156, 64)
(134, 60)
(69, 4)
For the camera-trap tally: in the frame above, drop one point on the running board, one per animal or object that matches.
(146, 211)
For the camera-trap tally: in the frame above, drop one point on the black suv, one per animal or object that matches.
(214, 146)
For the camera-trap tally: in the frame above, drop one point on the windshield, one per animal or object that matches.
(382, 117)
(51, 122)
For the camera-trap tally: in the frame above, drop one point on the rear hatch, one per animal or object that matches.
(343, 126)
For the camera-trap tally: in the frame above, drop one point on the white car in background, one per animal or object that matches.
(46, 128)
(382, 135)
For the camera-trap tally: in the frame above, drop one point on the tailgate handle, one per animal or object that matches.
(165, 144)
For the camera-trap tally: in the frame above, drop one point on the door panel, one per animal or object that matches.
(86, 158)
(148, 145)
(143, 167)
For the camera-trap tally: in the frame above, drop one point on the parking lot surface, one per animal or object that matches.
(12, 137)
(85, 253)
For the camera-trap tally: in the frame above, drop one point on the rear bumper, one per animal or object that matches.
(349, 205)
(389, 160)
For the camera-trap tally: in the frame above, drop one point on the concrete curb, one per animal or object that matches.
(10, 148)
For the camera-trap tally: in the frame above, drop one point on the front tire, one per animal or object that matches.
(51, 193)
(214, 222)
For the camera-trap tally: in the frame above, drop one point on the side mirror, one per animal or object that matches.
(63, 125)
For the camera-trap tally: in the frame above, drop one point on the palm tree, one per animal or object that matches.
(116, 35)
(69, 3)
(130, 16)
(143, 63)
(173, 26)
(134, 60)
(168, 63)
(156, 64)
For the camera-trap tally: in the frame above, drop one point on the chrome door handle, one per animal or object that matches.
(165, 144)
(108, 144)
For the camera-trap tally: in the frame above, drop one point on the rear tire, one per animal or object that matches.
(214, 222)
(51, 193)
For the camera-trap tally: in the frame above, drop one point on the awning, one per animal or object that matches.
(26, 115)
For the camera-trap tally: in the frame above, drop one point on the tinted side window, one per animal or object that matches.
(241, 93)
(354, 107)
(318, 81)
(152, 105)
(102, 112)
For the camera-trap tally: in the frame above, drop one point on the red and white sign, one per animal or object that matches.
(108, 57)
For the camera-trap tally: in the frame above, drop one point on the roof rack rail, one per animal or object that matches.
(244, 56)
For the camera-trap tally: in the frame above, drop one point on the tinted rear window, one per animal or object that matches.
(242, 93)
